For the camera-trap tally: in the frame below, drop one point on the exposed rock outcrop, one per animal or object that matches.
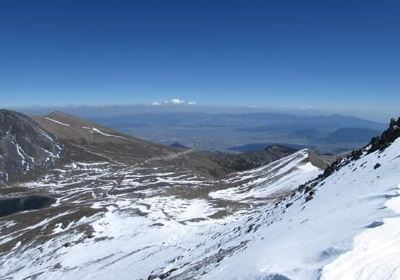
(25, 148)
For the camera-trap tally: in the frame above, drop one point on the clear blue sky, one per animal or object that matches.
(320, 54)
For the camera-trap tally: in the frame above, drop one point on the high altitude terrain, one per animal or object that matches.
(116, 206)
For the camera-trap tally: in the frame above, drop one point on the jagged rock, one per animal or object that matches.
(387, 137)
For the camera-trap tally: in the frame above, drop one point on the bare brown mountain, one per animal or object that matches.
(86, 140)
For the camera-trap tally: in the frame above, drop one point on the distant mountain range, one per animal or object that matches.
(346, 138)
(327, 134)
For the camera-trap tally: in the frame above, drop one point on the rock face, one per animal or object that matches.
(25, 148)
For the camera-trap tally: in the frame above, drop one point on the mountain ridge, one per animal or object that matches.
(25, 147)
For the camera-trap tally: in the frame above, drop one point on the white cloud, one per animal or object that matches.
(174, 101)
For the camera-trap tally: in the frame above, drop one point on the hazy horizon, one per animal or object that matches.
(169, 107)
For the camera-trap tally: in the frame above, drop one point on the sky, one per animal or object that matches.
(337, 55)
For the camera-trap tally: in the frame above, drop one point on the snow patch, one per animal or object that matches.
(96, 130)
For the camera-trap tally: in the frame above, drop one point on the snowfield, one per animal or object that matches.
(277, 177)
(375, 253)
(119, 222)
(309, 238)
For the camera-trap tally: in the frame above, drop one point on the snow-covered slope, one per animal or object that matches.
(349, 230)
(276, 178)
(276, 222)
(111, 219)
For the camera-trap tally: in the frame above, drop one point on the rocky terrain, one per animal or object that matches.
(25, 148)
(116, 206)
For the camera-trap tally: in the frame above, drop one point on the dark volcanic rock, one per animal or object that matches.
(377, 165)
(249, 160)
(387, 137)
(24, 147)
